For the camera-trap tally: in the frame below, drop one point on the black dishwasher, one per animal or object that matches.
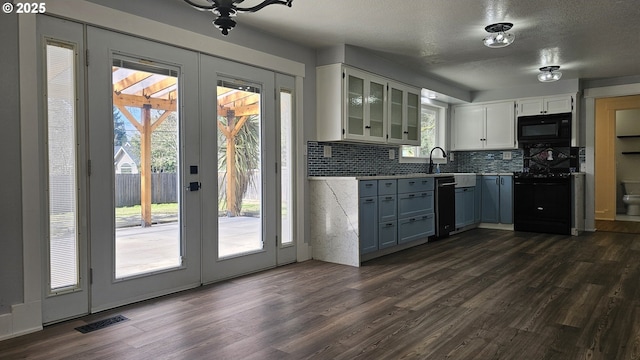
(445, 202)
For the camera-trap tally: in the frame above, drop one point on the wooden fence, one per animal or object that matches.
(164, 189)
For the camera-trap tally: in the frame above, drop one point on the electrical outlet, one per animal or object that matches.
(327, 151)
(506, 155)
(392, 154)
(451, 157)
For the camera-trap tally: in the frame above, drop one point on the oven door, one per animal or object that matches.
(542, 205)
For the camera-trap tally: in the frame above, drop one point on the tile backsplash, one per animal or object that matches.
(364, 160)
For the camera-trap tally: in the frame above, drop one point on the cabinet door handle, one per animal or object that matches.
(411, 182)
(369, 200)
(501, 181)
(497, 181)
(367, 127)
(389, 198)
(368, 185)
(412, 195)
(406, 132)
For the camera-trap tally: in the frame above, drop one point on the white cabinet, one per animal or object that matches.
(489, 126)
(404, 114)
(545, 105)
(352, 105)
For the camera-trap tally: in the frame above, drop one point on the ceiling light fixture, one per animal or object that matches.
(549, 73)
(227, 9)
(498, 36)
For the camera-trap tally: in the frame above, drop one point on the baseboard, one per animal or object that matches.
(496, 226)
(23, 319)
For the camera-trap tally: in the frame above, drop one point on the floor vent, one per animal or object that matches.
(101, 324)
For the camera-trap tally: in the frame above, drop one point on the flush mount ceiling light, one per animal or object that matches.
(226, 10)
(498, 36)
(549, 73)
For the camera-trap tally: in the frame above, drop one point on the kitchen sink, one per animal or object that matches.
(465, 179)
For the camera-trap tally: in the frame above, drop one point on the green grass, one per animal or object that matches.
(170, 208)
(248, 206)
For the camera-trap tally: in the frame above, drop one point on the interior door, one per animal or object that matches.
(239, 169)
(61, 80)
(144, 156)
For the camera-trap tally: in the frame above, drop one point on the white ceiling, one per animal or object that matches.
(589, 39)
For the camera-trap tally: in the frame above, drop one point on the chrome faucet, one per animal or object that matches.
(444, 154)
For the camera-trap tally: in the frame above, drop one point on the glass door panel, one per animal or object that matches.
(395, 117)
(413, 116)
(355, 105)
(376, 109)
(62, 168)
(286, 167)
(146, 162)
(239, 168)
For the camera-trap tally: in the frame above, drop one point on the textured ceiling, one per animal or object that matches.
(589, 39)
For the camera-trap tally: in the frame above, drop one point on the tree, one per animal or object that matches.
(247, 160)
(119, 131)
(164, 144)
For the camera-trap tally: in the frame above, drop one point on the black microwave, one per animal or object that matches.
(551, 128)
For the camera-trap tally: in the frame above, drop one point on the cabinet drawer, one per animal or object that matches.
(388, 234)
(415, 228)
(415, 204)
(387, 187)
(368, 188)
(387, 207)
(414, 185)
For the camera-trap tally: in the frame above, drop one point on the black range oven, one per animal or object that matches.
(542, 193)
(542, 203)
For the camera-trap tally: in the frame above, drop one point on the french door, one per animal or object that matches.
(180, 172)
(144, 143)
(241, 164)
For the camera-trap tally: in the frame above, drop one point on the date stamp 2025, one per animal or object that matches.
(24, 8)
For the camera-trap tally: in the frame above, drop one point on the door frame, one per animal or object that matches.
(605, 175)
(71, 303)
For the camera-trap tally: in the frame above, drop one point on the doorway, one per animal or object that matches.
(614, 162)
(181, 169)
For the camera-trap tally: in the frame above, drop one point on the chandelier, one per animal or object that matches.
(226, 10)
(498, 36)
(549, 73)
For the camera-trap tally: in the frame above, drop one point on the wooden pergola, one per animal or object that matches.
(237, 107)
(147, 91)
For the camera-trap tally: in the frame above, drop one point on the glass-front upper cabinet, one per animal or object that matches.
(366, 106)
(355, 105)
(404, 115)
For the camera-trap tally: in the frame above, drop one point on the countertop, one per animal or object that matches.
(397, 176)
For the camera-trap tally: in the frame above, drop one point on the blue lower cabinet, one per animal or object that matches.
(506, 199)
(387, 208)
(388, 234)
(367, 224)
(415, 228)
(465, 206)
(497, 199)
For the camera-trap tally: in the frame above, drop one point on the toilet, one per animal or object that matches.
(632, 196)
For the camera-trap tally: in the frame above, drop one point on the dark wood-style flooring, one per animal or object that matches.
(618, 226)
(483, 294)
